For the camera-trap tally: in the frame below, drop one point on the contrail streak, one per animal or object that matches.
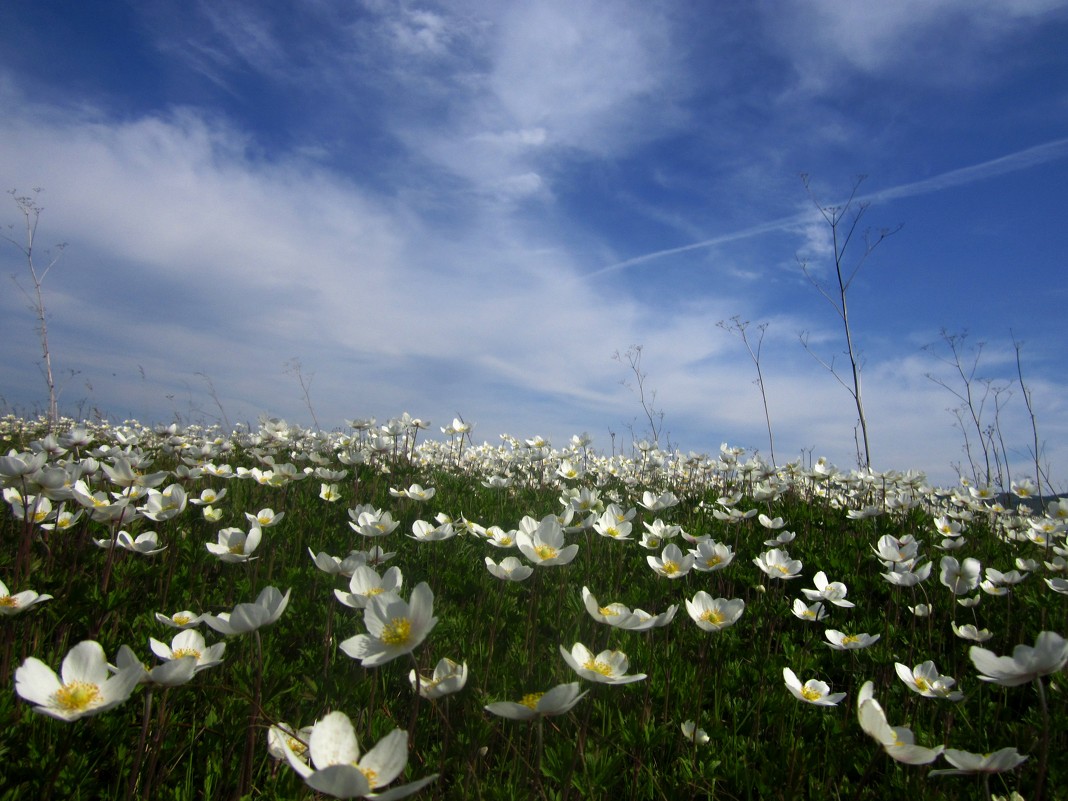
(1013, 162)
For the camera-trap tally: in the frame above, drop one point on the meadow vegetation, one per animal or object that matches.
(669, 626)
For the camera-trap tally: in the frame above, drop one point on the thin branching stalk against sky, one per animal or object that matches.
(31, 214)
(842, 221)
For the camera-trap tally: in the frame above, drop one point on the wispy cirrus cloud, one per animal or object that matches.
(925, 41)
(1054, 150)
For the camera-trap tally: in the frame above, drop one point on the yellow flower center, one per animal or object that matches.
(8, 601)
(782, 569)
(713, 616)
(604, 610)
(670, 568)
(612, 531)
(238, 549)
(598, 667)
(505, 541)
(712, 561)
(397, 632)
(181, 652)
(77, 696)
(808, 614)
(370, 775)
(546, 552)
(530, 700)
(181, 620)
(375, 591)
(922, 683)
(850, 638)
(811, 694)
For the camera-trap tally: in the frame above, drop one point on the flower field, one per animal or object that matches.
(279, 613)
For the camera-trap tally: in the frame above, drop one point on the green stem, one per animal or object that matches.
(1044, 755)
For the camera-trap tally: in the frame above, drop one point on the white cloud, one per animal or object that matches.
(454, 285)
(930, 41)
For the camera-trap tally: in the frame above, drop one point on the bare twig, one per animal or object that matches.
(1035, 449)
(843, 221)
(972, 402)
(632, 359)
(294, 366)
(738, 327)
(31, 214)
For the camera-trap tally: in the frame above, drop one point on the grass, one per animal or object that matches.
(622, 742)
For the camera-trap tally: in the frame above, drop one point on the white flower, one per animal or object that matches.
(297, 740)
(172, 673)
(927, 681)
(415, 493)
(264, 611)
(607, 667)
(907, 574)
(812, 691)
(189, 642)
(373, 523)
(960, 577)
(180, 620)
(145, 544)
(898, 741)
(366, 584)
(19, 602)
(621, 617)
(544, 546)
(833, 592)
(657, 503)
(1049, 655)
(337, 768)
(425, 532)
(966, 762)
(847, 642)
(672, 562)
(335, 565)
(557, 701)
(83, 687)
(394, 627)
(777, 564)
(970, 632)
(609, 525)
(448, 677)
(714, 614)
(808, 612)
(265, 518)
(709, 556)
(234, 545)
(694, 734)
(499, 538)
(509, 569)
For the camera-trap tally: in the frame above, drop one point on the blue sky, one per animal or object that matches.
(467, 207)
